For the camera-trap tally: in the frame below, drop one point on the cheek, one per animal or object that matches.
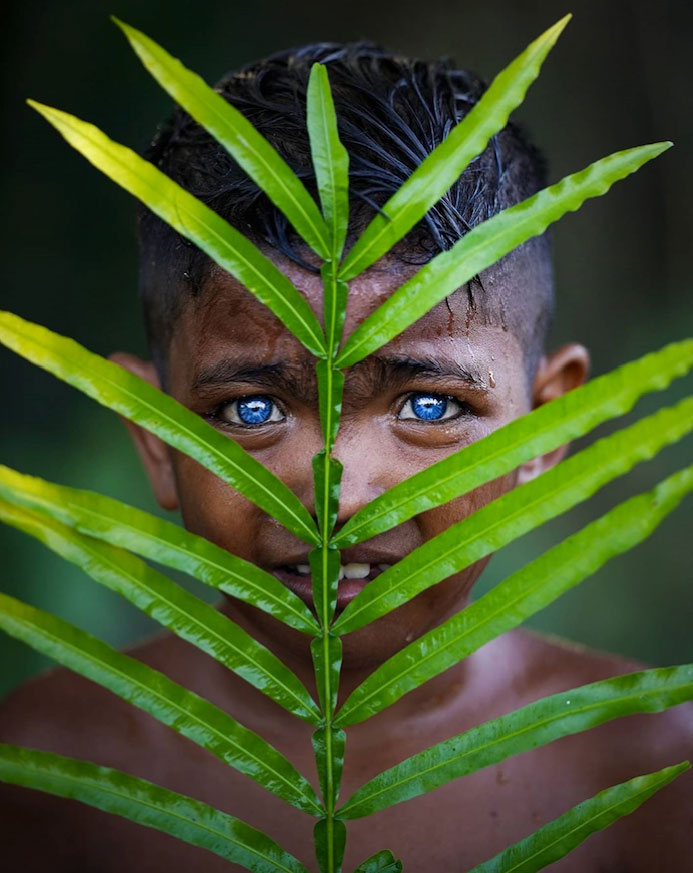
(437, 520)
(214, 510)
(445, 597)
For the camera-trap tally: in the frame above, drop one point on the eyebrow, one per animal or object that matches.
(393, 369)
(375, 372)
(290, 378)
(231, 370)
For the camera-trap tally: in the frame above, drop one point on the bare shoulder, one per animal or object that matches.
(61, 711)
(559, 665)
(657, 835)
(64, 713)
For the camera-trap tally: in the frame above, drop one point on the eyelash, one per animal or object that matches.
(218, 417)
(463, 409)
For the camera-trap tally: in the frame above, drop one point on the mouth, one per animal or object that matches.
(353, 578)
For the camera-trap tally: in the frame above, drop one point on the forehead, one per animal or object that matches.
(225, 321)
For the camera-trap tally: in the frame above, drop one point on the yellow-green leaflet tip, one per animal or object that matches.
(127, 29)
(657, 148)
(39, 107)
(561, 24)
(551, 35)
(50, 113)
(61, 121)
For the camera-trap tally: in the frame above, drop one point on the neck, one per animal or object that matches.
(293, 649)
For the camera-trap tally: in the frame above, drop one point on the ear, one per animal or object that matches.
(153, 453)
(565, 369)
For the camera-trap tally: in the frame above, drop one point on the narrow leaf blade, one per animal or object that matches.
(159, 540)
(556, 839)
(172, 606)
(147, 804)
(511, 602)
(330, 158)
(193, 220)
(546, 428)
(382, 862)
(328, 745)
(327, 475)
(484, 245)
(335, 294)
(330, 390)
(326, 651)
(512, 515)
(532, 726)
(324, 570)
(441, 169)
(180, 709)
(329, 836)
(116, 388)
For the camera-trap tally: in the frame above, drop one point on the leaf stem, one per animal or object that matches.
(328, 740)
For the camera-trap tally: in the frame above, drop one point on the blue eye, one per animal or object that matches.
(253, 410)
(429, 407)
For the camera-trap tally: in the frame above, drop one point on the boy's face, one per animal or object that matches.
(447, 381)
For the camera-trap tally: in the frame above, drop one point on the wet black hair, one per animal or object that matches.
(392, 111)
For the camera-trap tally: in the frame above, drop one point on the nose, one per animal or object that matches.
(366, 472)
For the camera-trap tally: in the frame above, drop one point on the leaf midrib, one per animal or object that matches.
(212, 564)
(112, 790)
(584, 823)
(535, 725)
(199, 623)
(627, 393)
(507, 519)
(160, 413)
(480, 120)
(332, 176)
(398, 300)
(173, 705)
(182, 195)
(212, 107)
(504, 607)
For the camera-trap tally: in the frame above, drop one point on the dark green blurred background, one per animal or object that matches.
(620, 76)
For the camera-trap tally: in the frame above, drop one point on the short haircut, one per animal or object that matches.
(392, 112)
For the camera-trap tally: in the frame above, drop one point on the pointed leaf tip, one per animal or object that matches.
(131, 33)
(55, 117)
(35, 104)
(442, 166)
(121, 25)
(562, 23)
(50, 113)
(551, 34)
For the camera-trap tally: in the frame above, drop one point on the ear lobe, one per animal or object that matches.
(153, 453)
(564, 370)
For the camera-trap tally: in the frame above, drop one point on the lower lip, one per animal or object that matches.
(302, 586)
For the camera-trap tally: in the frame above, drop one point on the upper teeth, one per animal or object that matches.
(350, 571)
(354, 571)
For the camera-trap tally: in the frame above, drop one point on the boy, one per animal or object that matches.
(472, 364)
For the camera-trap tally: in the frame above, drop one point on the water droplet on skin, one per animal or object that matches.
(491, 379)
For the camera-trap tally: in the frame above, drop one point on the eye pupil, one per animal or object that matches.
(429, 407)
(254, 410)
